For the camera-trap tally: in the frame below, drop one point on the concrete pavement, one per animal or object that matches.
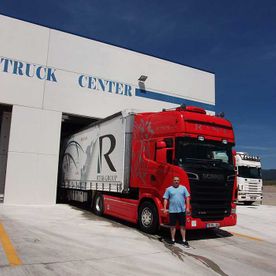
(66, 240)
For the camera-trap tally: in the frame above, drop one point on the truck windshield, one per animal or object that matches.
(249, 172)
(193, 151)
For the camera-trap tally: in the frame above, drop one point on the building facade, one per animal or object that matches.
(47, 76)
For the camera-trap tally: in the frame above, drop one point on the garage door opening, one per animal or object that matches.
(5, 124)
(70, 125)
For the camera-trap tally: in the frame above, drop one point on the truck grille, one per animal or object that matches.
(253, 187)
(211, 197)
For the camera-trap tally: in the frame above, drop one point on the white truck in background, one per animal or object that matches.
(249, 178)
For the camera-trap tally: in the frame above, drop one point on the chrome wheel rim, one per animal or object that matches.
(146, 217)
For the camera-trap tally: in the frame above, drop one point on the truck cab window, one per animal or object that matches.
(169, 154)
(169, 142)
(207, 152)
(249, 172)
(220, 155)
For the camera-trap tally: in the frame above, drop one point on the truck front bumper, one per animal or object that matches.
(197, 223)
(249, 197)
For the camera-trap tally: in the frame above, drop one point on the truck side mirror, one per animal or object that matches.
(161, 155)
(160, 145)
(161, 152)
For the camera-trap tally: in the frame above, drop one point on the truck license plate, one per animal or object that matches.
(212, 225)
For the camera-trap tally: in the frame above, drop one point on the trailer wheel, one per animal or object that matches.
(98, 204)
(148, 217)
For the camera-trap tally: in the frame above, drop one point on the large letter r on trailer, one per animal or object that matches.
(106, 155)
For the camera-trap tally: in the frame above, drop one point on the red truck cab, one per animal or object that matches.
(183, 142)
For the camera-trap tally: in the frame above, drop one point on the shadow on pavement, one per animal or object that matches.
(162, 234)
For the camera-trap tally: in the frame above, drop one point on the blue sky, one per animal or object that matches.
(234, 39)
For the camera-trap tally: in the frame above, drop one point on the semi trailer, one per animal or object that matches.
(122, 165)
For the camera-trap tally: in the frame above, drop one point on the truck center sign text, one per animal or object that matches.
(41, 72)
(91, 83)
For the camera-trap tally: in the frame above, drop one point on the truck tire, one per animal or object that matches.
(98, 204)
(148, 217)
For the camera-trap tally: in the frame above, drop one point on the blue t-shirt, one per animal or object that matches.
(177, 197)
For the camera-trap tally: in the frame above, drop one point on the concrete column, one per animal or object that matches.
(33, 154)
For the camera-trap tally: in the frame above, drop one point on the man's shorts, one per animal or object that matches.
(178, 217)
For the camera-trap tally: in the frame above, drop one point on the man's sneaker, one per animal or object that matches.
(170, 242)
(185, 244)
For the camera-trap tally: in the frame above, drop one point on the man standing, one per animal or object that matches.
(179, 205)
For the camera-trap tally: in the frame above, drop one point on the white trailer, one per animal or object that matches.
(249, 178)
(98, 158)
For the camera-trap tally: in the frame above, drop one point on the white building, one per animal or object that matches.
(51, 80)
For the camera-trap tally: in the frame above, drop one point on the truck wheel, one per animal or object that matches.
(248, 202)
(98, 204)
(148, 217)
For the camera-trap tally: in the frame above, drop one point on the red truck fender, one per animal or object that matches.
(158, 203)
